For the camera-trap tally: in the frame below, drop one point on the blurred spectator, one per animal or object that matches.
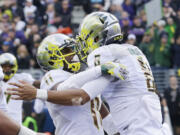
(23, 57)
(6, 47)
(57, 5)
(30, 20)
(167, 2)
(100, 5)
(131, 39)
(177, 21)
(5, 30)
(16, 35)
(172, 96)
(116, 10)
(176, 53)
(138, 29)
(51, 13)
(29, 9)
(53, 17)
(143, 18)
(65, 13)
(148, 47)
(129, 7)
(170, 28)
(20, 25)
(168, 11)
(162, 52)
(34, 29)
(17, 10)
(36, 43)
(41, 14)
(160, 27)
(126, 24)
(7, 10)
(175, 4)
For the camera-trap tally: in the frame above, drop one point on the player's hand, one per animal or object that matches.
(114, 69)
(23, 91)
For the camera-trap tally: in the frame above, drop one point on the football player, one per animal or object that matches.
(10, 67)
(55, 55)
(134, 104)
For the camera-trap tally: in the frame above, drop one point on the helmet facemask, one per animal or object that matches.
(68, 54)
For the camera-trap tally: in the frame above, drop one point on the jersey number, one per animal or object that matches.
(148, 74)
(95, 106)
(48, 79)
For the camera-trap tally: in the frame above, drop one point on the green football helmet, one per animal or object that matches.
(98, 29)
(54, 51)
(10, 60)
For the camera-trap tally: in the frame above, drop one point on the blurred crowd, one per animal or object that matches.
(24, 23)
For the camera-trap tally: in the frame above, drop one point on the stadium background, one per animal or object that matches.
(24, 23)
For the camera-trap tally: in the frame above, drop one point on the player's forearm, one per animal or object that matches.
(81, 78)
(69, 97)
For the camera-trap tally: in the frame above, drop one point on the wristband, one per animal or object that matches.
(42, 94)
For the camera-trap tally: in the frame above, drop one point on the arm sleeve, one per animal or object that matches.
(95, 87)
(78, 80)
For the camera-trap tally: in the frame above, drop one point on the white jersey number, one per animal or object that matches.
(95, 107)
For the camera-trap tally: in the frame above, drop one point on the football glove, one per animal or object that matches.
(114, 69)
